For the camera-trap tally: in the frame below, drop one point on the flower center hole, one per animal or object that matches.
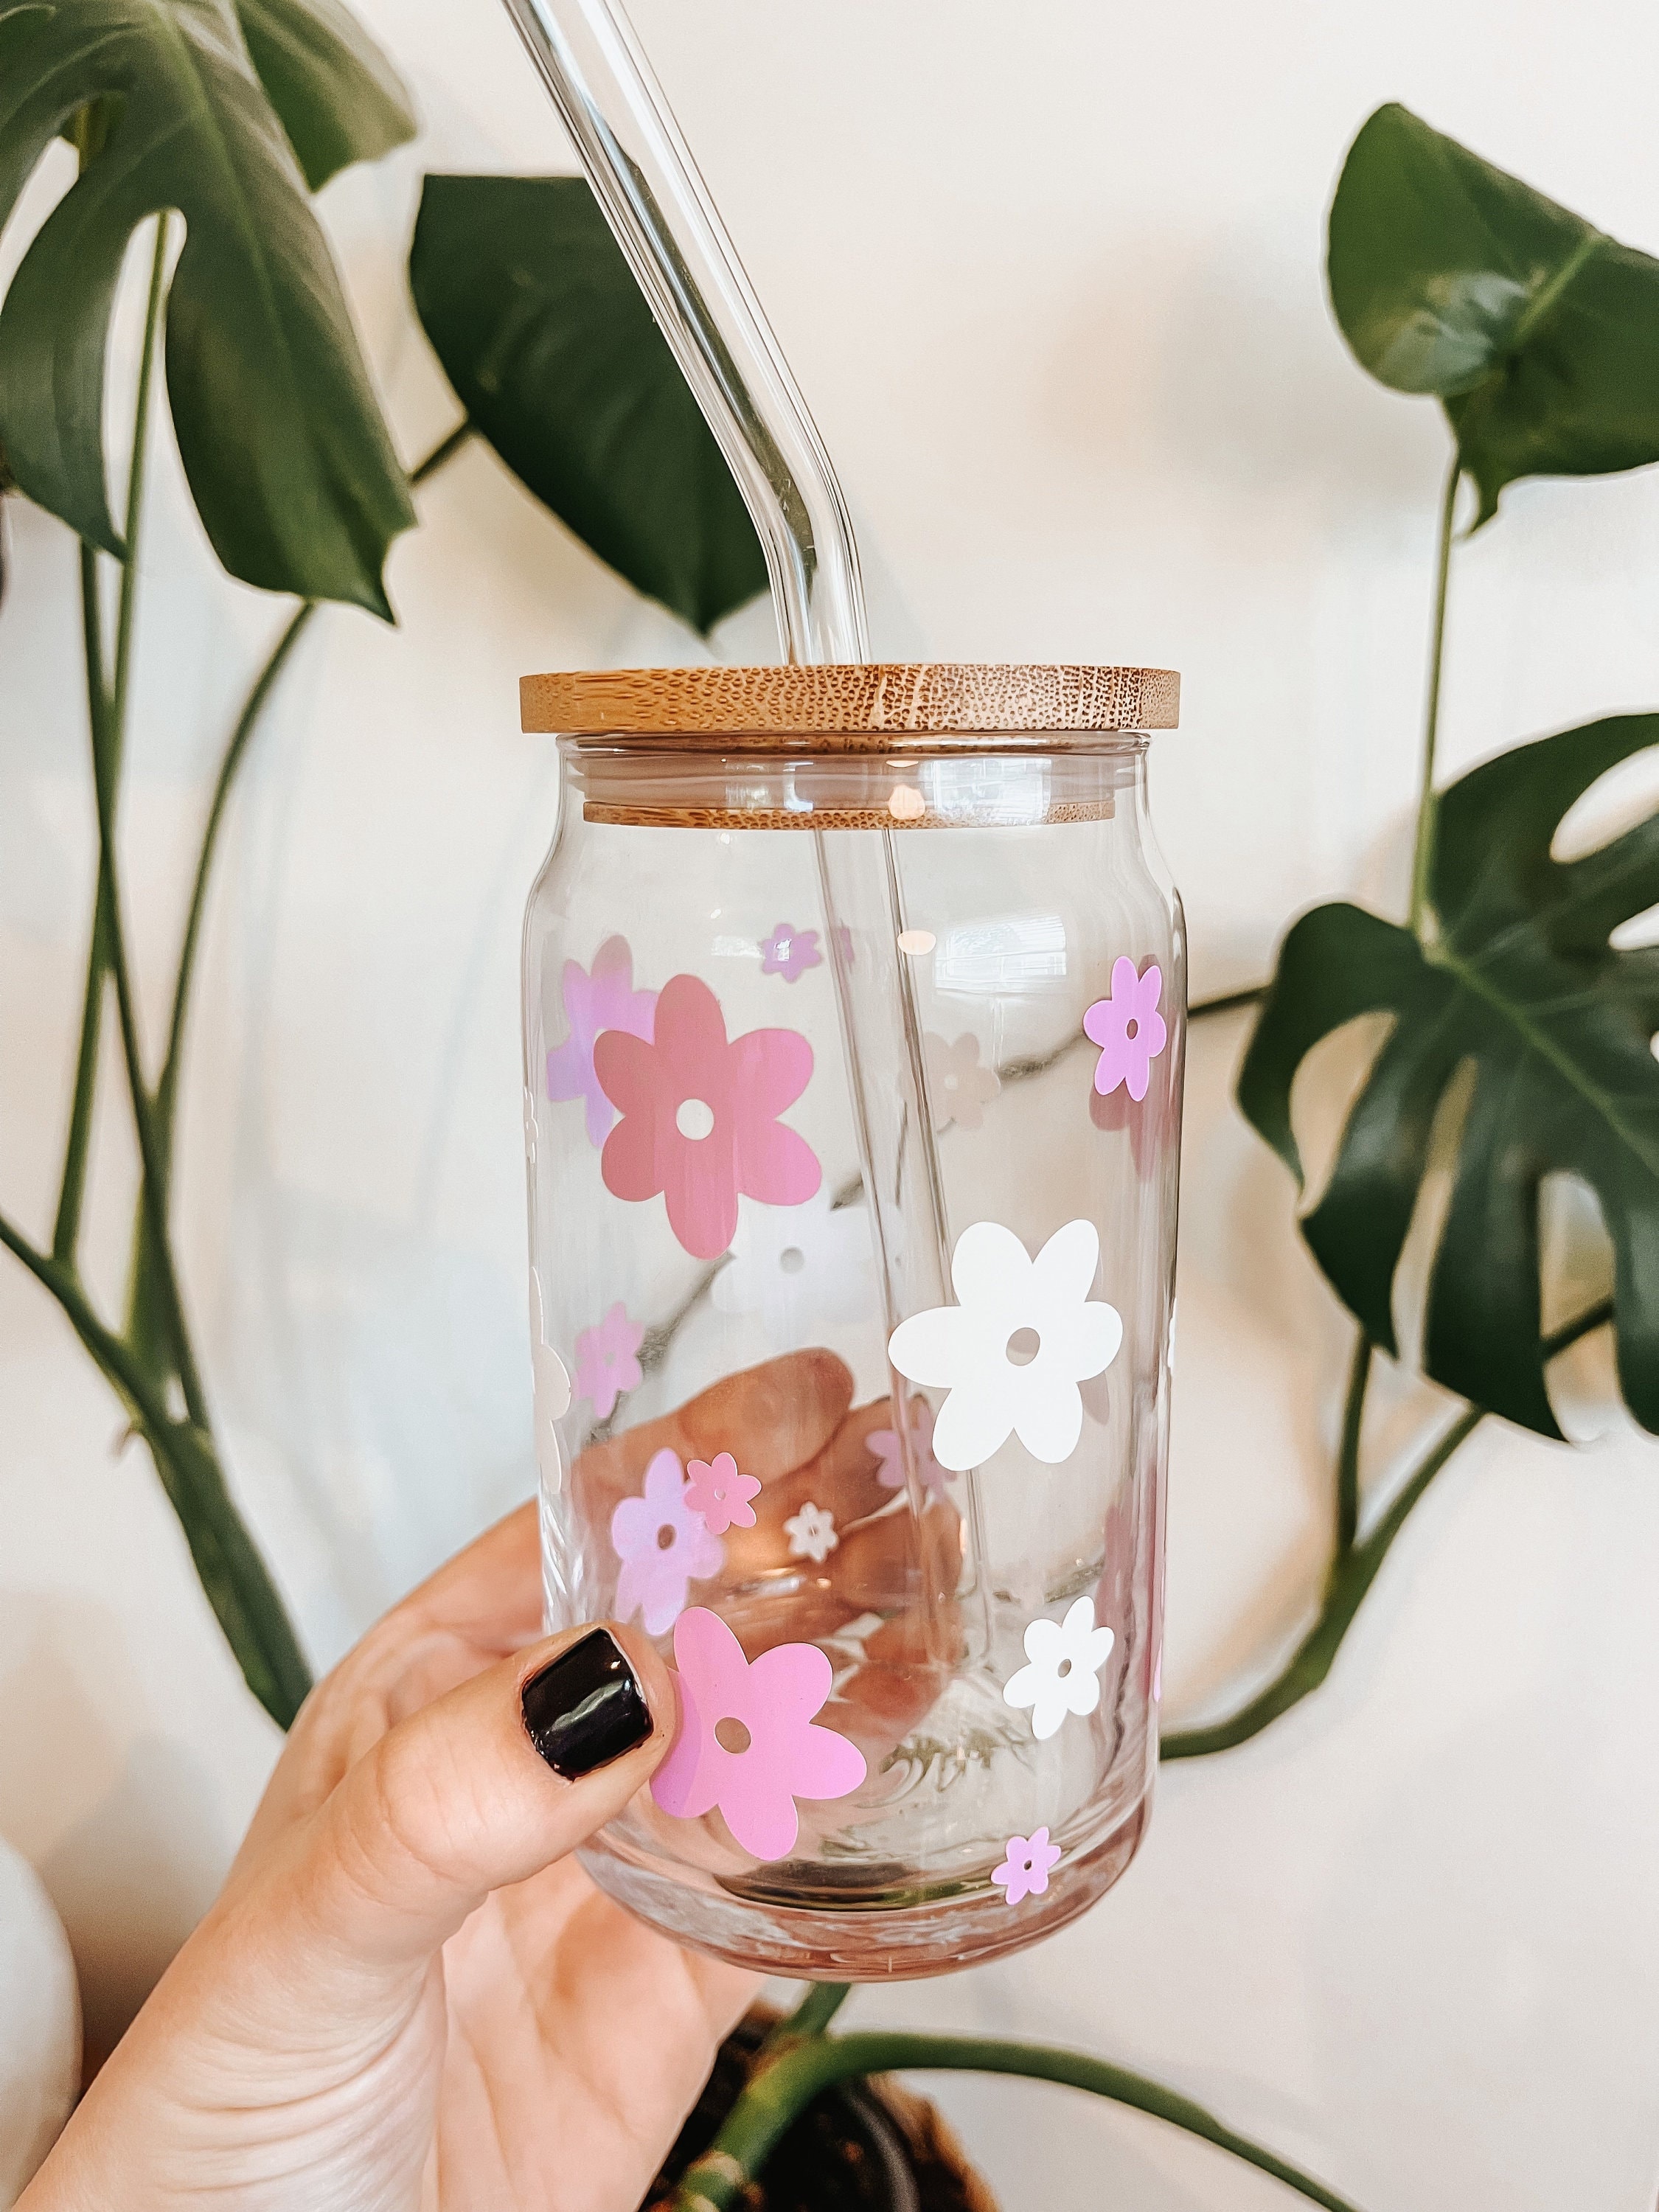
(665, 1536)
(792, 1259)
(1131, 1030)
(1062, 1670)
(1022, 1347)
(731, 1736)
(695, 1118)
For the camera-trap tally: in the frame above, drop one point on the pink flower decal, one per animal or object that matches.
(605, 1000)
(1026, 1871)
(746, 1742)
(663, 1544)
(700, 1116)
(720, 1494)
(957, 1086)
(789, 952)
(885, 1444)
(607, 1360)
(1128, 1028)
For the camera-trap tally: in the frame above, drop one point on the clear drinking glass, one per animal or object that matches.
(852, 1261)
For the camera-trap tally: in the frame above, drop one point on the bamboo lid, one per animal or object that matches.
(848, 708)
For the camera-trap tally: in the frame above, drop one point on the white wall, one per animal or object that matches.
(1051, 280)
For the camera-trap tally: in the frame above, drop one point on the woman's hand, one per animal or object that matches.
(408, 1994)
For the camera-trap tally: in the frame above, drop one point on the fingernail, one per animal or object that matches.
(585, 1707)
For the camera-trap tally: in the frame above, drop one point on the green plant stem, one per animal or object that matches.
(1427, 804)
(1352, 1574)
(107, 770)
(137, 477)
(72, 1183)
(246, 722)
(823, 2001)
(106, 721)
(1347, 1461)
(716, 2182)
(233, 1575)
(236, 750)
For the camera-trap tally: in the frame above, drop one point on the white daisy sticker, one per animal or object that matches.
(811, 1533)
(1022, 1334)
(1064, 1674)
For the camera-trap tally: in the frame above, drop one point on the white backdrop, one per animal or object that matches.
(1050, 278)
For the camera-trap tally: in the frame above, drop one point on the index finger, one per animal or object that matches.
(772, 1418)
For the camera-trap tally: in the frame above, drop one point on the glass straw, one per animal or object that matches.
(643, 174)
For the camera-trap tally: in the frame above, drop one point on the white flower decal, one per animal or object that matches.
(798, 1266)
(1022, 1334)
(811, 1533)
(1064, 1674)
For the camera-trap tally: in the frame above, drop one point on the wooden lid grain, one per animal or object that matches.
(851, 708)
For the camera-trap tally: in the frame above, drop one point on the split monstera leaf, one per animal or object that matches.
(1539, 335)
(289, 461)
(232, 115)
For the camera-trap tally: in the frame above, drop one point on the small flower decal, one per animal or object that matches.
(700, 1116)
(1063, 1676)
(1024, 1873)
(607, 1360)
(886, 1445)
(603, 1000)
(789, 952)
(746, 1742)
(720, 1494)
(798, 1266)
(1022, 1334)
(1128, 1028)
(958, 1088)
(811, 1533)
(655, 1572)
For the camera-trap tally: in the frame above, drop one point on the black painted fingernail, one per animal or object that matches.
(585, 1707)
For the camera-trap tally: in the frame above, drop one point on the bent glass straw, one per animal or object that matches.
(643, 174)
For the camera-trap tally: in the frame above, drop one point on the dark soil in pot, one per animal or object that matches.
(859, 2147)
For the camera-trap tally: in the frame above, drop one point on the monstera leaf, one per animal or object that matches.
(554, 355)
(1521, 986)
(289, 461)
(1536, 332)
(339, 99)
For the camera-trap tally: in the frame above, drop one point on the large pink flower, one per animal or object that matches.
(746, 1742)
(700, 1116)
(605, 1000)
(1128, 1028)
(664, 1544)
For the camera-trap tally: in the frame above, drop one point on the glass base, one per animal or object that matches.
(878, 1944)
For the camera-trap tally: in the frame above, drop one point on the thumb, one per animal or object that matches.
(482, 1788)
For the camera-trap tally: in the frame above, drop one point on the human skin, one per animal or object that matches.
(408, 1996)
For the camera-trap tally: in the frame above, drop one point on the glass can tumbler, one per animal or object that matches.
(854, 1004)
